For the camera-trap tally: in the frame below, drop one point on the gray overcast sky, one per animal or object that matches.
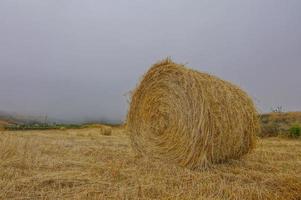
(75, 59)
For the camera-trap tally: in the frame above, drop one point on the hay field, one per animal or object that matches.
(85, 164)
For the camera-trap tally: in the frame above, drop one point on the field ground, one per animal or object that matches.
(84, 164)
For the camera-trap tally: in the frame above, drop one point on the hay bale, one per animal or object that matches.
(105, 130)
(190, 118)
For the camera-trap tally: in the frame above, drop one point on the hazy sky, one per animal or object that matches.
(75, 59)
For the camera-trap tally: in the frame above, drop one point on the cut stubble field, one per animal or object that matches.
(84, 164)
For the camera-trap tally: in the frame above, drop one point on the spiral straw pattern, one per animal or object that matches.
(190, 118)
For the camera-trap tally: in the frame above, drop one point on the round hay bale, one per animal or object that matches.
(105, 130)
(190, 118)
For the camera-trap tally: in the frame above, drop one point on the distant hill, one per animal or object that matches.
(274, 124)
(13, 118)
(4, 123)
(285, 118)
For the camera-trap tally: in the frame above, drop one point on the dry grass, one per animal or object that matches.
(190, 118)
(84, 164)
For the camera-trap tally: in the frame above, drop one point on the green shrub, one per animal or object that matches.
(295, 131)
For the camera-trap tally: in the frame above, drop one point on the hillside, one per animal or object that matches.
(20, 119)
(3, 123)
(274, 124)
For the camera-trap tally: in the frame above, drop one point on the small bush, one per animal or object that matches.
(295, 131)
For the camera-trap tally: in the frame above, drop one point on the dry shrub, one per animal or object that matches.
(190, 118)
(105, 130)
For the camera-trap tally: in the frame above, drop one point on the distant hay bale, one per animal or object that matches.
(105, 130)
(190, 118)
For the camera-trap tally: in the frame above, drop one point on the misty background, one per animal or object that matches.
(76, 60)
